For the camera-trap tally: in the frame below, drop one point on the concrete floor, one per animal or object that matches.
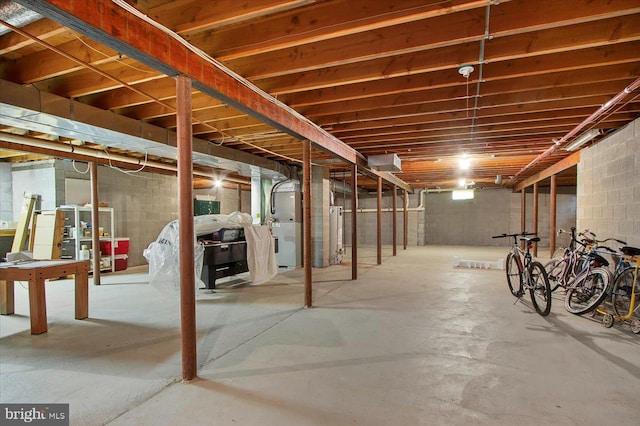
(413, 341)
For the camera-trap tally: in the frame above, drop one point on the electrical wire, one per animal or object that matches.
(73, 163)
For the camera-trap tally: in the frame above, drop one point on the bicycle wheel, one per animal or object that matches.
(556, 271)
(621, 294)
(514, 277)
(540, 289)
(587, 294)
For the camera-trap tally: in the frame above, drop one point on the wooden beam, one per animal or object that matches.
(558, 167)
(186, 231)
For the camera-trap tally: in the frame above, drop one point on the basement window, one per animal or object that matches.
(462, 194)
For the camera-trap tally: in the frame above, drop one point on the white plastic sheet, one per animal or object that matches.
(163, 255)
(261, 254)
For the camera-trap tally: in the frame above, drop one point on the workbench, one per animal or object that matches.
(35, 273)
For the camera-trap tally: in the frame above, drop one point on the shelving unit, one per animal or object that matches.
(74, 240)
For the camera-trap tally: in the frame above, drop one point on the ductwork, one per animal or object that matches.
(16, 15)
(28, 108)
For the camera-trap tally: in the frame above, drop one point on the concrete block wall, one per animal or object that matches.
(37, 177)
(367, 219)
(609, 186)
(320, 201)
(566, 203)
(6, 193)
(143, 202)
(468, 222)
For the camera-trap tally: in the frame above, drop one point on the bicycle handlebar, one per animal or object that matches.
(519, 234)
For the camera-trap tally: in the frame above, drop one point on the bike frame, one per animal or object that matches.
(632, 302)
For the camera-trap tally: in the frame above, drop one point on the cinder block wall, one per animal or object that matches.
(367, 219)
(442, 220)
(6, 193)
(143, 202)
(468, 222)
(609, 186)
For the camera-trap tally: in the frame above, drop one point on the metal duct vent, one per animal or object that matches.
(16, 15)
(385, 163)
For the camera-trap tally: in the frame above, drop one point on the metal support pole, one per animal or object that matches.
(354, 222)
(185, 228)
(405, 224)
(395, 219)
(523, 211)
(95, 222)
(379, 223)
(306, 177)
(552, 215)
(535, 216)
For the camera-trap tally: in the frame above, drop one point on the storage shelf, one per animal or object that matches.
(74, 214)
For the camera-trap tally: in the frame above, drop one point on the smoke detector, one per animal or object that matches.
(465, 70)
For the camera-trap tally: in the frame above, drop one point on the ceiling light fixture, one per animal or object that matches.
(584, 138)
(464, 163)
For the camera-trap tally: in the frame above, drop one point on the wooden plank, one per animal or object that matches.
(48, 235)
(24, 221)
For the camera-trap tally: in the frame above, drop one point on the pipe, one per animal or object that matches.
(589, 120)
(103, 155)
(420, 206)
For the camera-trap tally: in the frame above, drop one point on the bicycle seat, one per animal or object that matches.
(531, 240)
(599, 259)
(630, 251)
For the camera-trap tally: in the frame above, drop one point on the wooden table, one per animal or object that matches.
(36, 273)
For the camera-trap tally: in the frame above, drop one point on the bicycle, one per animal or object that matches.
(524, 273)
(626, 291)
(582, 272)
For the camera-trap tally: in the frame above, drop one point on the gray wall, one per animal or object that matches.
(367, 219)
(143, 202)
(461, 222)
(609, 186)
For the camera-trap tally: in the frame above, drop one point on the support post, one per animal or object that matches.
(405, 231)
(95, 222)
(552, 215)
(379, 223)
(185, 227)
(306, 176)
(523, 210)
(395, 219)
(535, 216)
(354, 222)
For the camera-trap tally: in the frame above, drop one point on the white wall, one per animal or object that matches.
(609, 186)
(6, 193)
